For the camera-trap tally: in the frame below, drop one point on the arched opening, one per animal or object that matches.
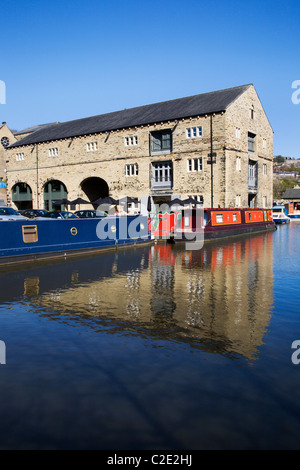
(22, 196)
(54, 191)
(94, 188)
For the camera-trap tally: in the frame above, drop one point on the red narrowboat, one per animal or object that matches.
(212, 223)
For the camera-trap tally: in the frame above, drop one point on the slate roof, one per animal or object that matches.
(291, 194)
(205, 103)
(31, 129)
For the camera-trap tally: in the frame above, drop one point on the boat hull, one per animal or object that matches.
(40, 239)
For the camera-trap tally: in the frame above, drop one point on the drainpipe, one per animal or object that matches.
(37, 175)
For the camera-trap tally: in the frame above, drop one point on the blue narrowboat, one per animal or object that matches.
(27, 239)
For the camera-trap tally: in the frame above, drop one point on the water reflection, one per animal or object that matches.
(218, 298)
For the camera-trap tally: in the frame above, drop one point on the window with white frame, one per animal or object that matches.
(237, 132)
(194, 164)
(192, 132)
(91, 146)
(238, 200)
(197, 197)
(238, 163)
(265, 169)
(53, 152)
(131, 140)
(19, 157)
(132, 169)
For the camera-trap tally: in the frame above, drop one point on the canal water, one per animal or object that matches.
(155, 348)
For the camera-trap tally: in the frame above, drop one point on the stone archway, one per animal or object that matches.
(22, 196)
(54, 190)
(94, 188)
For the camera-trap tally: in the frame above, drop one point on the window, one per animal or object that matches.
(251, 142)
(19, 157)
(238, 200)
(264, 143)
(53, 152)
(264, 168)
(186, 221)
(162, 175)
(234, 217)
(195, 164)
(131, 170)
(197, 197)
(237, 132)
(91, 147)
(5, 142)
(132, 140)
(162, 141)
(193, 132)
(252, 112)
(219, 218)
(238, 164)
(30, 234)
(252, 174)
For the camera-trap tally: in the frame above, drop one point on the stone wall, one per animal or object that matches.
(238, 116)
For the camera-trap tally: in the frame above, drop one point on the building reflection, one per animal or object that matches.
(218, 298)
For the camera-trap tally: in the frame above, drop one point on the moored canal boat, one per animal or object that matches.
(27, 239)
(214, 223)
(280, 215)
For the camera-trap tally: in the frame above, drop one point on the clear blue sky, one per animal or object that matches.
(64, 60)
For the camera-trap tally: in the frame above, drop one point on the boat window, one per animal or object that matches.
(219, 218)
(186, 221)
(234, 217)
(249, 215)
(30, 234)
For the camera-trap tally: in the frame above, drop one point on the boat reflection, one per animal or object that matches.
(218, 298)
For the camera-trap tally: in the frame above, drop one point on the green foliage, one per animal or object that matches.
(280, 186)
(279, 159)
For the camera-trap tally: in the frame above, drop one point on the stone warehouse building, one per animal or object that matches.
(164, 150)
